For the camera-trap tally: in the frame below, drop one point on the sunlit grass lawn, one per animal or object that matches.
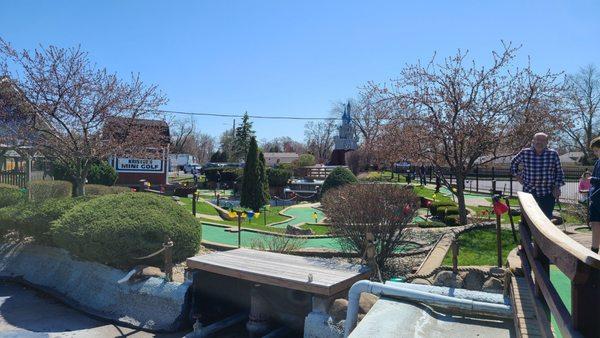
(478, 247)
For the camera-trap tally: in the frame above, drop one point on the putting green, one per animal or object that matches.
(303, 214)
(562, 284)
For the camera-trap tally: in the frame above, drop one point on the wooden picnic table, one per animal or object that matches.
(319, 277)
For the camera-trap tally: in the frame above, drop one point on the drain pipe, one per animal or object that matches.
(446, 302)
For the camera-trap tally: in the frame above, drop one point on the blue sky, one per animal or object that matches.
(295, 58)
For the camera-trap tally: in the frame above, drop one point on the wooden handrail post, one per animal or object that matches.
(539, 256)
(585, 303)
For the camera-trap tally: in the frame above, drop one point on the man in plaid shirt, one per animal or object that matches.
(538, 169)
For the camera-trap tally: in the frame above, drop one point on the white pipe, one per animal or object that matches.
(447, 302)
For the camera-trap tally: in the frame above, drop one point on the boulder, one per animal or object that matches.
(474, 280)
(448, 279)
(338, 309)
(493, 285)
(421, 281)
(366, 302)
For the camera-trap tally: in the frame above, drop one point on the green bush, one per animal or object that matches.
(338, 177)
(34, 219)
(305, 160)
(42, 190)
(99, 190)
(10, 195)
(445, 211)
(431, 224)
(114, 229)
(278, 177)
(438, 204)
(102, 173)
(451, 220)
(227, 174)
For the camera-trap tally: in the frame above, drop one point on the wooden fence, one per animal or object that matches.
(543, 244)
(13, 178)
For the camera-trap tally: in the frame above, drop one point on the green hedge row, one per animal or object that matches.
(114, 229)
(10, 195)
(110, 229)
(43, 190)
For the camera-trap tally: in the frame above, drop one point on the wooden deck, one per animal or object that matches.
(310, 275)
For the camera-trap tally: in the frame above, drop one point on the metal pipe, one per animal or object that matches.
(446, 302)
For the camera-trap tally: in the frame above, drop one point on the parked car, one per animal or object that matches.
(189, 168)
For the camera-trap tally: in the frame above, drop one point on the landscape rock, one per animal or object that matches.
(421, 281)
(448, 279)
(338, 309)
(474, 280)
(366, 302)
(493, 285)
(292, 230)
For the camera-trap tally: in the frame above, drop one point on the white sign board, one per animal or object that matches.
(138, 165)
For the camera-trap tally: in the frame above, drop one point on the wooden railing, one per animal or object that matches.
(543, 244)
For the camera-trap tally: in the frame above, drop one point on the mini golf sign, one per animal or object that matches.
(139, 165)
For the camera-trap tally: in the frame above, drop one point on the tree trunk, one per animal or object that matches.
(460, 196)
(79, 186)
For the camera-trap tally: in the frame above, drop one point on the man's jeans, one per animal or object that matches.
(546, 203)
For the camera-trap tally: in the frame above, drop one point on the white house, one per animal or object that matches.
(279, 158)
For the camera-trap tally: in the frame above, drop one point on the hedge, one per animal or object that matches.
(34, 219)
(114, 229)
(451, 220)
(99, 190)
(227, 174)
(278, 177)
(42, 190)
(102, 173)
(338, 177)
(10, 195)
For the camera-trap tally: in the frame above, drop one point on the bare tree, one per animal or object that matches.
(182, 132)
(384, 210)
(282, 144)
(319, 138)
(456, 114)
(69, 102)
(583, 99)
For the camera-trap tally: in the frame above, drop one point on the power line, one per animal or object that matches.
(251, 116)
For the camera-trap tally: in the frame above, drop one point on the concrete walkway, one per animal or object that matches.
(27, 313)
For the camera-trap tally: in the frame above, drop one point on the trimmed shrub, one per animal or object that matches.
(99, 190)
(114, 229)
(10, 195)
(102, 173)
(34, 219)
(438, 204)
(305, 160)
(452, 220)
(43, 190)
(227, 174)
(278, 177)
(338, 177)
(445, 211)
(432, 224)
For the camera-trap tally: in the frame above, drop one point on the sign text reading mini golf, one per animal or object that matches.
(139, 165)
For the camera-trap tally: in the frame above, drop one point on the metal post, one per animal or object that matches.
(510, 179)
(499, 240)
(194, 204)
(477, 179)
(239, 215)
(493, 173)
(265, 215)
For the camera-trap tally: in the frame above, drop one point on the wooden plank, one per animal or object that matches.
(542, 280)
(559, 247)
(281, 270)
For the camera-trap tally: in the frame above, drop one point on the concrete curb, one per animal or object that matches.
(152, 304)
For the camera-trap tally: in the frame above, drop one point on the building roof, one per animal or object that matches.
(280, 154)
(122, 127)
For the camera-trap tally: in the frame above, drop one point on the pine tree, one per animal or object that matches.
(253, 187)
(243, 134)
(262, 171)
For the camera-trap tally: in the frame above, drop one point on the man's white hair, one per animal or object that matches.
(544, 135)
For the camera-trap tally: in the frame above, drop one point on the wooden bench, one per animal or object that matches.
(315, 276)
(542, 244)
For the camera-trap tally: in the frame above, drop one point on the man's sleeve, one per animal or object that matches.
(560, 175)
(514, 164)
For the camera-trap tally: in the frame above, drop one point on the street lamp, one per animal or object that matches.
(240, 214)
(265, 209)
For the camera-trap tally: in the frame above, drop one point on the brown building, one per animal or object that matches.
(147, 158)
